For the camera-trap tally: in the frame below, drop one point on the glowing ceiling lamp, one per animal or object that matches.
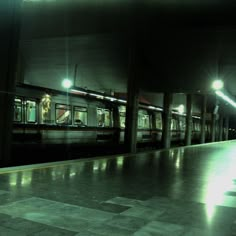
(217, 84)
(66, 83)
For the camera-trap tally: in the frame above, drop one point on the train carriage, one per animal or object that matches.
(44, 116)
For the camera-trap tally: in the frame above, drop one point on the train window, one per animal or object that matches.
(158, 120)
(80, 116)
(122, 113)
(143, 119)
(30, 111)
(17, 110)
(63, 114)
(104, 117)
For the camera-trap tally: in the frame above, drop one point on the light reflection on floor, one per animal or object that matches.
(192, 189)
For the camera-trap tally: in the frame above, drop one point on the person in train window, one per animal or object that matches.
(80, 123)
(100, 123)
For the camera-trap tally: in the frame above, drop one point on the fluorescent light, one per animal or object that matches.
(120, 100)
(78, 91)
(226, 98)
(155, 108)
(151, 107)
(110, 98)
(197, 117)
(96, 95)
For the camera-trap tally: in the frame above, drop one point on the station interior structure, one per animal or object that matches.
(165, 55)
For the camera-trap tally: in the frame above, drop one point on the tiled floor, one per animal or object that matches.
(181, 191)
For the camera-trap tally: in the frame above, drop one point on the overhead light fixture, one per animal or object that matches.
(77, 91)
(96, 95)
(66, 83)
(112, 99)
(217, 84)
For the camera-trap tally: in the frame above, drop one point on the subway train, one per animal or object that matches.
(85, 118)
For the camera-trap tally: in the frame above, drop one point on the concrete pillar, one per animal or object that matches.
(189, 120)
(116, 117)
(9, 40)
(226, 125)
(166, 132)
(131, 107)
(213, 127)
(116, 124)
(220, 128)
(203, 119)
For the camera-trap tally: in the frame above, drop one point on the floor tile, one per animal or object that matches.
(126, 222)
(160, 229)
(107, 230)
(143, 212)
(124, 201)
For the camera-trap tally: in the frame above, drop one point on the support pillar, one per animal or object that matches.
(9, 41)
(213, 127)
(220, 128)
(131, 107)
(166, 132)
(226, 125)
(188, 134)
(203, 119)
(116, 124)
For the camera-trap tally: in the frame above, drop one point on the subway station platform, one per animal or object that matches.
(180, 191)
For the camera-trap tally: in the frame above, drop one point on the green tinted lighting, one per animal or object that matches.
(217, 84)
(66, 83)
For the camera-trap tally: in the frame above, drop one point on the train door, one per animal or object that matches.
(196, 130)
(144, 121)
(30, 111)
(144, 126)
(158, 124)
(182, 127)
(122, 115)
(25, 117)
(25, 110)
(104, 117)
(18, 110)
(174, 127)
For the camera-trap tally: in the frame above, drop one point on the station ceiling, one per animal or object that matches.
(168, 46)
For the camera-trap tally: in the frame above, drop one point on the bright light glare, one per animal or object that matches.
(66, 83)
(218, 84)
(181, 109)
(226, 98)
